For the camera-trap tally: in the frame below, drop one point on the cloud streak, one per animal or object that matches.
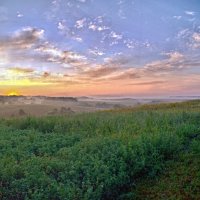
(19, 70)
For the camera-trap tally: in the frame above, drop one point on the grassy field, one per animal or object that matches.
(147, 152)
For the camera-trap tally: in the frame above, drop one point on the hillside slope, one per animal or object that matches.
(148, 152)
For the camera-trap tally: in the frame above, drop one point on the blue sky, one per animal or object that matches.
(142, 46)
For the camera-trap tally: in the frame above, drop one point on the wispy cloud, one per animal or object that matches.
(19, 14)
(178, 17)
(3, 14)
(187, 12)
(99, 72)
(19, 70)
(96, 52)
(149, 83)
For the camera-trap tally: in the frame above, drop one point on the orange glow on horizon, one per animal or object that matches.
(13, 93)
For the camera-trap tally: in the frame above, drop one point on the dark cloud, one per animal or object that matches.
(46, 74)
(22, 39)
(30, 45)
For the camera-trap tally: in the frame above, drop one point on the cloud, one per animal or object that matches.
(96, 24)
(54, 55)
(55, 7)
(174, 56)
(178, 17)
(54, 65)
(29, 45)
(192, 13)
(115, 35)
(92, 27)
(19, 14)
(111, 37)
(78, 39)
(46, 74)
(195, 41)
(96, 52)
(189, 39)
(196, 37)
(69, 32)
(19, 70)
(99, 72)
(149, 83)
(130, 43)
(184, 33)
(22, 39)
(82, 1)
(121, 11)
(29, 33)
(174, 62)
(80, 23)
(119, 60)
(127, 74)
(115, 68)
(61, 26)
(95, 27)
(48, 49)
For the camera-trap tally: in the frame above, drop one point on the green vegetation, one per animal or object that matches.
(148, 152)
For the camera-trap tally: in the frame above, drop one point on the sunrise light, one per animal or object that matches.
(13, 93)
(102, 47)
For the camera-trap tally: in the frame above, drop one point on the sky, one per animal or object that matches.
(100, 47)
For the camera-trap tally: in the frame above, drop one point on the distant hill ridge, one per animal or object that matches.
(41, 97)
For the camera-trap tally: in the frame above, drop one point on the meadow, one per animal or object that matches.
(146, 152)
